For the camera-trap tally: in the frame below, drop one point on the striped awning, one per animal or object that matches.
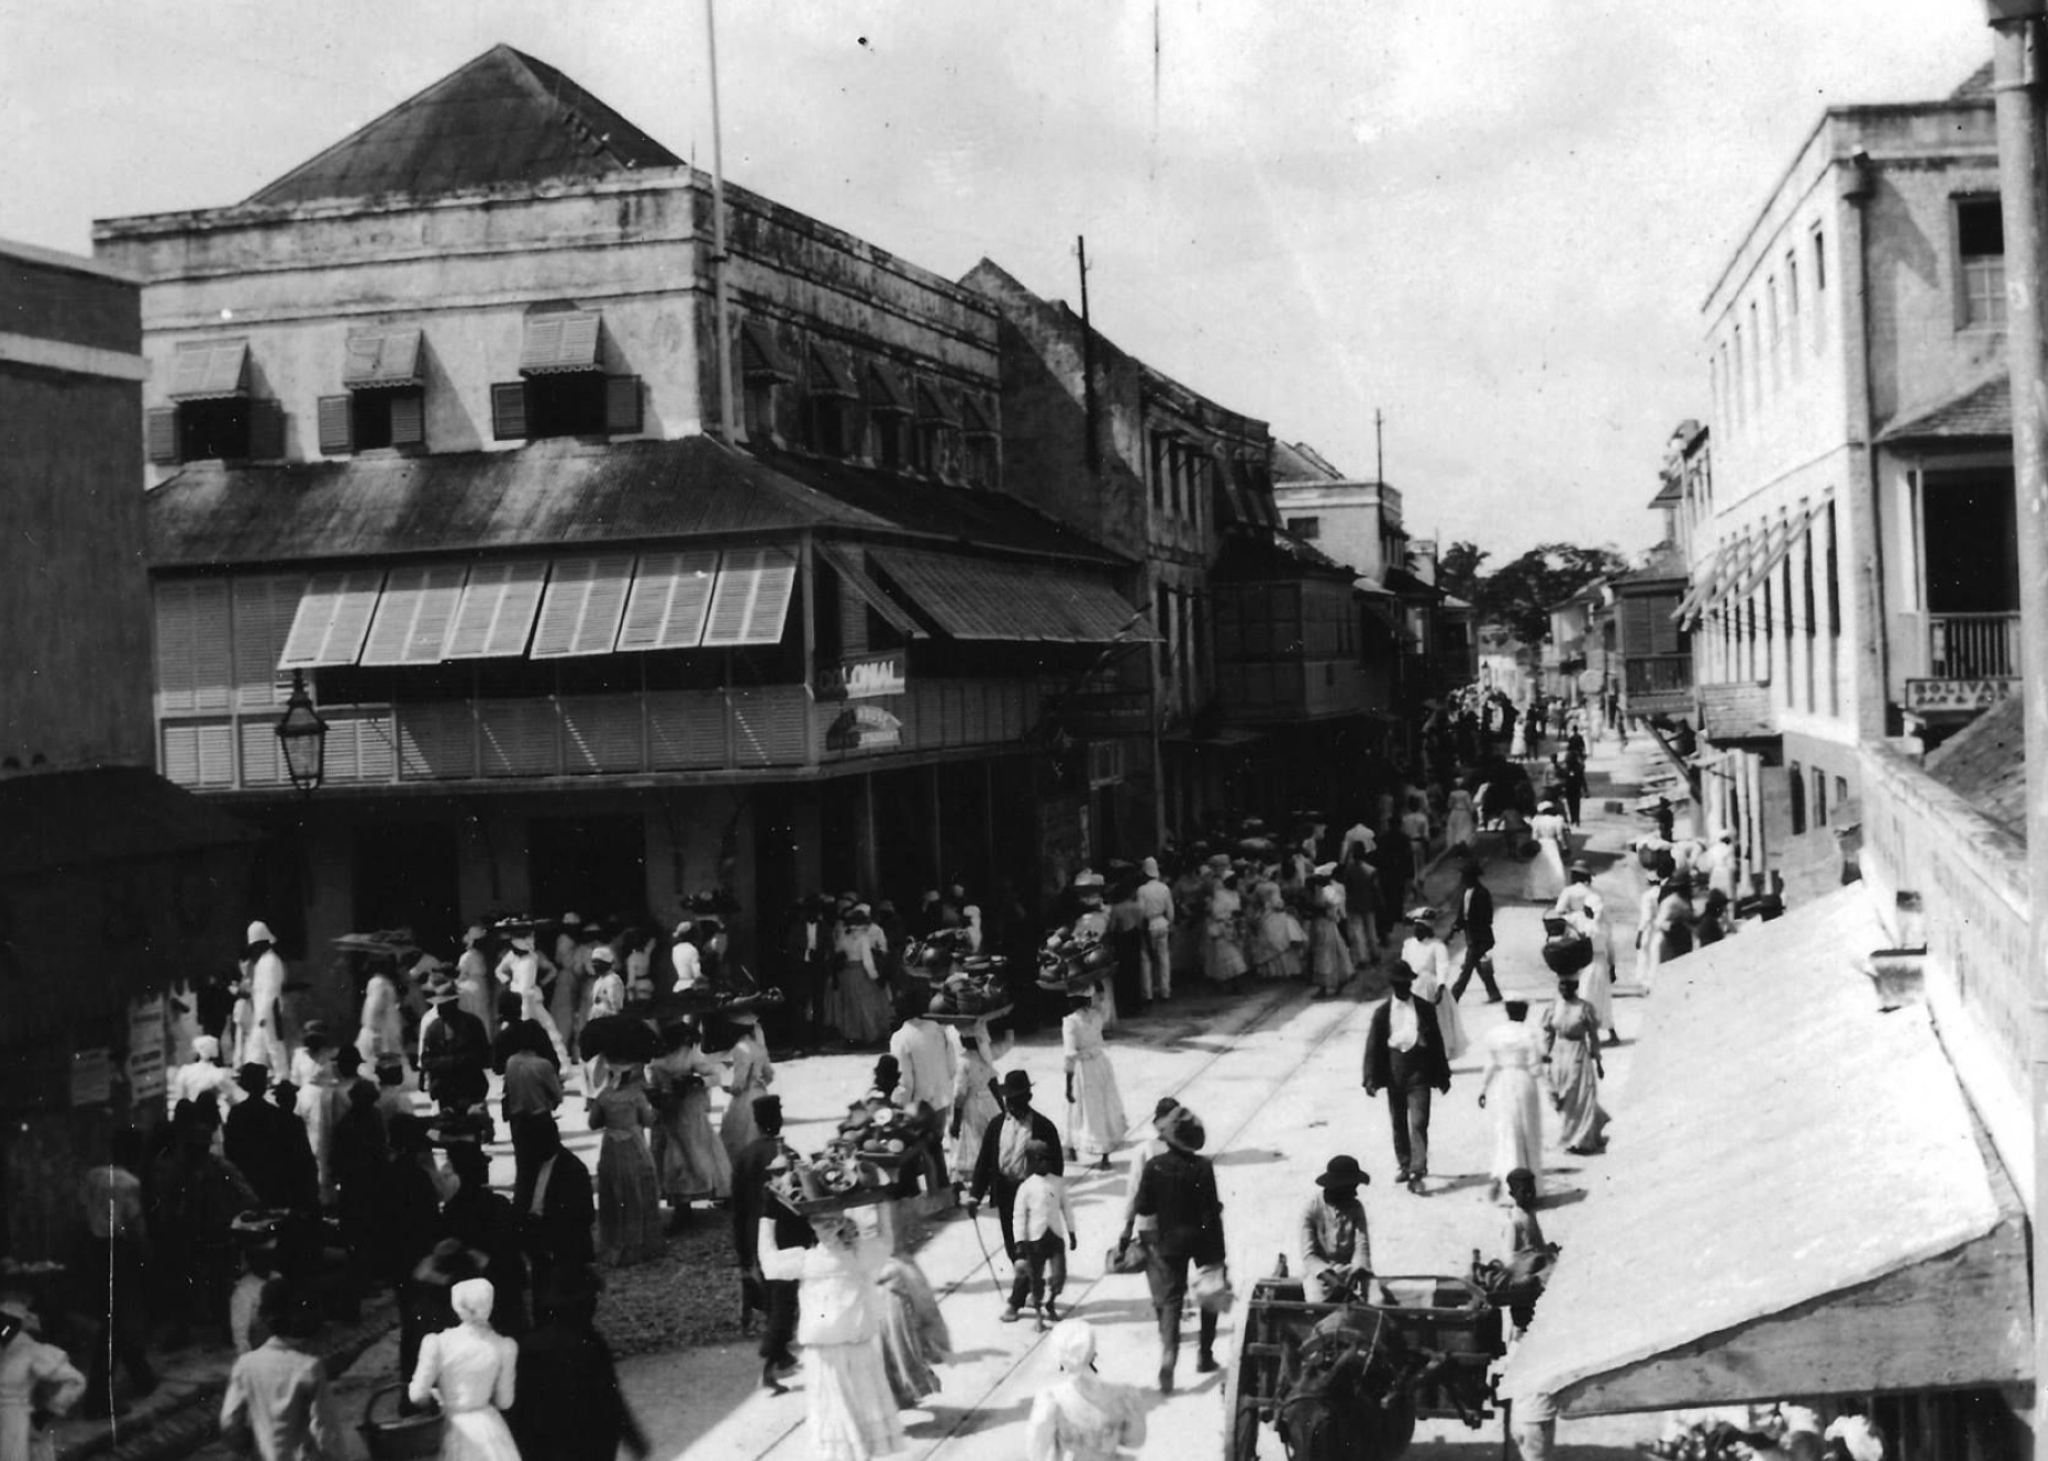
(378, 359)
(559, 342)
(976, 598)
(210, 370)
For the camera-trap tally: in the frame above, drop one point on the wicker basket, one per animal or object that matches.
(400, 1437)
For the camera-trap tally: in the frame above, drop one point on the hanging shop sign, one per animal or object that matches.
(864, 676)
(92, 1077)
(1958, 694)
(146, 1073)
(863, 728)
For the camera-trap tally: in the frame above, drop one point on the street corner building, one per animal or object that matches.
(620, 567)
(116, 887)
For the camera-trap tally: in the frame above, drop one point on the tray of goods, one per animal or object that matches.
(832, 1181)
(974, 990)
(1075, 965)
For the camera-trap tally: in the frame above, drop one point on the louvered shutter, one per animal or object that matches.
(543, 343)
(266, 431)
(751, 600)
(194, 637)
(622, 404)
(336, 431)
(413, 615)
(670, 598)
(508, 411)
(580, 614)
(408, 419)
(332, 618)
(160, 431)
(263, 612)
(496, 612)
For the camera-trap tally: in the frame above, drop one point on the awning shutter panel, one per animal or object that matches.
(210, 370)
(266, 431)
(933, 408)
(336, 425)
(332, 618)
(263, 612)
(752, 597)
(846, 562)
(829, 378)
(580, 614)
(974, 418)
(565, 340)
(984, 599)
(497, 609)
(381, 358)
(760, 357)
(194, 668)
(670, 600)
(885, 391)
(414, 615)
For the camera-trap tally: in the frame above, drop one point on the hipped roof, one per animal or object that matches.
(1976, 412)
(503, 118)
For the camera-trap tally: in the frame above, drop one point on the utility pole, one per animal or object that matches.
(719, 263)
(1087, 358)
(2023, 191)
(1379, 448)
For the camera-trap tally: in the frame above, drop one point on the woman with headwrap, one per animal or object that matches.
(469, 1369)
(851, 1413)
(1429, 958)
(1329, 954)
(382, 1030)
(1581, 906)
(974, 1097)
(1083, 1417)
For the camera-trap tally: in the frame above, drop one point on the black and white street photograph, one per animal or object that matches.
(1034, 730)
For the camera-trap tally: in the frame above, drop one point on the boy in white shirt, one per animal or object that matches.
(1043, 1222)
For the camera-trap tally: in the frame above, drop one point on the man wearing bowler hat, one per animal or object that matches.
(1003, 1164)
(1335, 1250)
(1404, 1056)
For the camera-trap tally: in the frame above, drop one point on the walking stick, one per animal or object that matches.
(974, 1218)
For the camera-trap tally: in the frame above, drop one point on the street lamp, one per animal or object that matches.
(302, 735)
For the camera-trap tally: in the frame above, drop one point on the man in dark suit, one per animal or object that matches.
(553, 1202)
(750, 1203)
(1404, 1056)
(806, 955)
(1001, 1167)
(1475, 921)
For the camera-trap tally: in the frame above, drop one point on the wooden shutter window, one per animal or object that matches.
(160, 431)
(622, 405)
(336, 435)
(266, 431)
(408, 418)
(508, 411)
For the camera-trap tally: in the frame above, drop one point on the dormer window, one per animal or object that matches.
(938, 432)
(889, 412)
(829, 400)
(384, 403)
(981, 456)
(565, 391)
(215, 417)
(764, 370)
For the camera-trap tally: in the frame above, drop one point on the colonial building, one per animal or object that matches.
(1852, 562)
(114, 885)
(610, 589)
(1265, 674)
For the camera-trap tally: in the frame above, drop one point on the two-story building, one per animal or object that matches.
(115, 886)
(1853, 570)
(1262, 666)
(610, 589)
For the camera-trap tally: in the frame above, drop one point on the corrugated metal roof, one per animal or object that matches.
(1982, 410)
(64, 819)
(563, 492)
(984, 599)
(1985, 763)
(502, 118)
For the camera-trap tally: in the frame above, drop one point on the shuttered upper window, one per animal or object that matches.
(496, 612)
(585, 599)
(414, 615)
(210, 370)
(751, 599)
(559, 342)
(332, 619)
(670, 601)
(568, 404)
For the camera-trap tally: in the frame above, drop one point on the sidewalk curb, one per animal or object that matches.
(194, 1420)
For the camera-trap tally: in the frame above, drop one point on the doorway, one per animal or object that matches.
(407, 876)
(594, 866)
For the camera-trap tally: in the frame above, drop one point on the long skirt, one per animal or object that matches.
(851, 1414)
(1575, 1086)
(1546, 873)
(736, 1128)
(1097, 1121)
(1461, 826)
(858, 1007)
(979, 1109)
(478, 1435)
(1269, 947)
(689, 1159)
(1517, 1127)
(628, 1204)
(1329, 960)
(1596, 984)
(1222, 959)
(1451, 1023)
(914, 1334)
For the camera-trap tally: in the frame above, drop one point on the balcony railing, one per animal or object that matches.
(1658, 674)
(1973, 646)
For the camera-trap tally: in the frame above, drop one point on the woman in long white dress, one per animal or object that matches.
(469, 1369)
(858, 1003)
(850, 1412)
(1222, 959)
(1546, 873)
(1095, 1106)
(1581, 905)
(1514, 1053)
(752, 1074)
(383, 1024)
(1461, 823)
(1270, 948)
(1428, 957)
(1083, 1417)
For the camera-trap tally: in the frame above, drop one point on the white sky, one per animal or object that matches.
(1493, 221)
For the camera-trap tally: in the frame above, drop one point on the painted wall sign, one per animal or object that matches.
(864, 727)
(864, 676)
(92, 1077)
(1958, 694)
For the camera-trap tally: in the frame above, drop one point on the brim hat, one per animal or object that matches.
(1422, 913)
(259, 933)
(1400, 973)
(1016, 1083)
(1343, 1171)
(1325, 869)
(252, 1075)
(603, 954)
(1183, 1130)
(451, 1262)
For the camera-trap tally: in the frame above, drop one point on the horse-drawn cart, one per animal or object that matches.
(1347, 1381)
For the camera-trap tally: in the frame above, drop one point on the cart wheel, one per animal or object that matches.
(1240, 1422)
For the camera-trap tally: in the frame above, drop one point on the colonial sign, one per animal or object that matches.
(863, 728)
(1958, 694)
(864, 676)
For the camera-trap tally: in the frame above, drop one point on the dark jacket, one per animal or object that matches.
(1177, 1190)
(750, 1196)
(987, 1166)
(1429, 1048)
(560, 1233)
(568, 1405)
(456, 1055)
(1475, 922)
